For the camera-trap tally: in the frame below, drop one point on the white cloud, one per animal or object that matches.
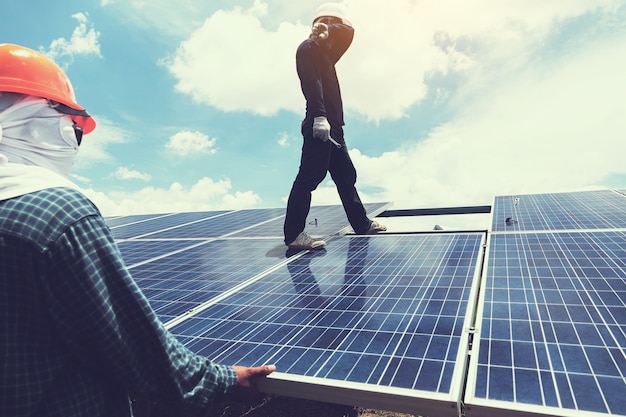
(232, 63)
(168, 19)
(397, 46)
(84, 41)
(186, 143)
(388, 67)
(283, 140)
(205, 195)
(79, 178)
(124, 173)
(558, 127)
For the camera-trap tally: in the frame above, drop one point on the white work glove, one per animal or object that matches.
(319, 31)
(321, 128)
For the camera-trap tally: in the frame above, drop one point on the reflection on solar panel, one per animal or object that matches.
(383, 312)
(322, 221)
(184, 280)
(525, 320)
(178, 271)
(580, 210)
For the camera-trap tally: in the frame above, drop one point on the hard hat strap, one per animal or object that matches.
(62, 108)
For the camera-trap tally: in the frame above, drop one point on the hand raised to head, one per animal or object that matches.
(319, 31)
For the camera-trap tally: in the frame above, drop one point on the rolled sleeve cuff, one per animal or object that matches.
(229, 378)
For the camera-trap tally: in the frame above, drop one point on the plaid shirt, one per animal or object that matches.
(76, 333)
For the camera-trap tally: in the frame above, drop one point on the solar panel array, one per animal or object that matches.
(528, 318)
(552, 313)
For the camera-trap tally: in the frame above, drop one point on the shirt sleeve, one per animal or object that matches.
(342, 36)
(308, 60)
(109, 325)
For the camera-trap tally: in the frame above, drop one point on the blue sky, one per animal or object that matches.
(447, 102)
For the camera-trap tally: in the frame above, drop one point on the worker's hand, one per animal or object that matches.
(246, 381)
(321, 128)
(319, 31)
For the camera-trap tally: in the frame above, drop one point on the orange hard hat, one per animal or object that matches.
(25, 71)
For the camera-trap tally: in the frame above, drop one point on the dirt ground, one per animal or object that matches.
(275, 406)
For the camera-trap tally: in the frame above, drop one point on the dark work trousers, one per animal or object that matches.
(319, 157)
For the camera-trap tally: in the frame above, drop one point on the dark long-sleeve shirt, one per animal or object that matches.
(76, 333)
(315, 64)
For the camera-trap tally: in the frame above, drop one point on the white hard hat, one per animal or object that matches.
(332, 10)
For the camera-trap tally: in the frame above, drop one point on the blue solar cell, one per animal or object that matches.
(501, 383)
(613, 389)
(529, 391)
(336, 314)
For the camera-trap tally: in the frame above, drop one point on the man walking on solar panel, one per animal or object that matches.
(77, 335)
(324, 149)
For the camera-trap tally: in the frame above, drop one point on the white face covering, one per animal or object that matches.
(37, 145)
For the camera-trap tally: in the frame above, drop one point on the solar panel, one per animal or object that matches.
(138, 226)
(551, 333)
(579, 210)
(385, 314)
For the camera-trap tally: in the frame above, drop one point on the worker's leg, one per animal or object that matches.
(313, 168)
(344, 175)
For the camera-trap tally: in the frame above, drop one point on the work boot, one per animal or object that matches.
(375, 227)
(304, 241)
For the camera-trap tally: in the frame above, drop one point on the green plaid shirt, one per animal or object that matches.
(76, 333)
